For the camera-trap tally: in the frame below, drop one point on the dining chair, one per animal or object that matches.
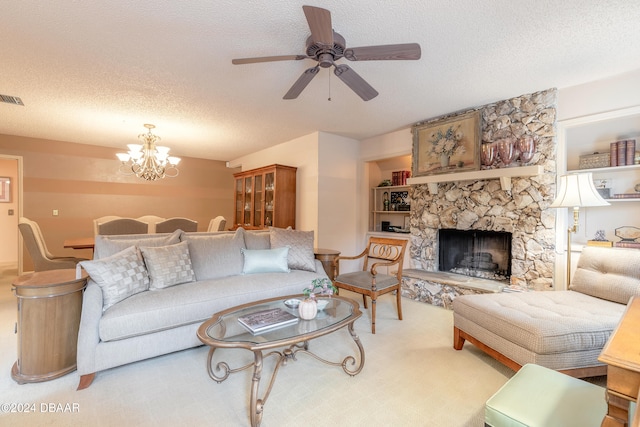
(375, 279)
(217, 224)
(172, 224)
(42, 258)
(152, 220)
(123, 226)
(101, 220)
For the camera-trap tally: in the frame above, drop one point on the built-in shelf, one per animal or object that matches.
(601, 170)
(504, 174)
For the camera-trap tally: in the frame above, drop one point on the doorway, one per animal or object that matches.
(10, 211)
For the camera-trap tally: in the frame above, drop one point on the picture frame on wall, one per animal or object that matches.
(447, 145)
(5, 189)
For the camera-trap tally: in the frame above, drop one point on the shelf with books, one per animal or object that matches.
(583, 144)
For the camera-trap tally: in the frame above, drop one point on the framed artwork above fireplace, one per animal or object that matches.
(447, 145)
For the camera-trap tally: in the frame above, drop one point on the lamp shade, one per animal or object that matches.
(577, 190)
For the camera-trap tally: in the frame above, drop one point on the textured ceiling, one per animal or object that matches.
(94, 72)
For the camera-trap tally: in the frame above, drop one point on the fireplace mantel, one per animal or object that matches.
(504, 174)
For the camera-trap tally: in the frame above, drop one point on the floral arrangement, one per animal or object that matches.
(446, 143)
(322, 286)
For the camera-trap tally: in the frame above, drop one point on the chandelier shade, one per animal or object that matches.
(148, 160)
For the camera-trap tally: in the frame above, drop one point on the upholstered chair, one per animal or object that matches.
(42, 258)
(101, 220)
(123, 226)
(217, 224)
(172, 224)
(152, 220)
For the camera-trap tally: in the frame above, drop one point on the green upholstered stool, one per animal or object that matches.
(540, 397)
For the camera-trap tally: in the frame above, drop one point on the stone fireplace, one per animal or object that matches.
(483, 205)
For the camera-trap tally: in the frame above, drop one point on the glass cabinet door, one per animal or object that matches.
(248, 191)
(239, 203)
(257, 201)
(269, 188)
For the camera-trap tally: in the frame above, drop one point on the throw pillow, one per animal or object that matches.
(119, 276)
(106, 246)
(216, 255)
(168, 265)
(257, 239)
(300, 245)
(265, 261)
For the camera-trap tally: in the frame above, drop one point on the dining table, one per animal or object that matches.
(80, 243)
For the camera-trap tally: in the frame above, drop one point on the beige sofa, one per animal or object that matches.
(126, 318)
(561, 330)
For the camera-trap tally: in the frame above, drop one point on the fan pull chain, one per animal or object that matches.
(329, 99)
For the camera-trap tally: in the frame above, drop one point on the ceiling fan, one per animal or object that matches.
(325, 46)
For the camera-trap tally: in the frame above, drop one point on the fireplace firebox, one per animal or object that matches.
(476, 253)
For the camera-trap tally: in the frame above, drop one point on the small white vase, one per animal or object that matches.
(307, 309)
(444, 161)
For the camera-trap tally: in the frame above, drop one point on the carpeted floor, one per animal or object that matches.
(412, 377)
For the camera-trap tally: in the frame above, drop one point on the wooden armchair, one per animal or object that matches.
(380, 253)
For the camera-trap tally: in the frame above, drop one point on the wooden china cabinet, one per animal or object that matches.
(265, 197)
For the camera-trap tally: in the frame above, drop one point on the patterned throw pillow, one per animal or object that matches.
(265, 260)
(168, 265)
(300, 245)
(119, 276)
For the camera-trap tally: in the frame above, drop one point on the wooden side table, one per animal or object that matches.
(49, 308)
(326, 257)
(622, 356)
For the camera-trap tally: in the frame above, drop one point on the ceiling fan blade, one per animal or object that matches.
(383, 52)
(319, 21)
(268, 59)
(355, 82)
(301, 83)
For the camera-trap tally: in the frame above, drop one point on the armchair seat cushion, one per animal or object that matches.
(363, 279)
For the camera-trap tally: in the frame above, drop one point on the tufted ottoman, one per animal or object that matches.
(561, 330)
(537, 396)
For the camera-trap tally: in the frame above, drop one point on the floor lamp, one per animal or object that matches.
(576, 191)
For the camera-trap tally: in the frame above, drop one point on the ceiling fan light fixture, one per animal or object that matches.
(325, 46)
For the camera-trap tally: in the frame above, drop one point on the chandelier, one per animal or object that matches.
(148, 160)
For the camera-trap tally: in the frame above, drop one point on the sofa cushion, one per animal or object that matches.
(195, 302)
(300, 243)
(108, 245)
(544, 322)
(257, 239)
(215, 255)
(608, 273)
(168, 265)
(265, 261)
(119, 276)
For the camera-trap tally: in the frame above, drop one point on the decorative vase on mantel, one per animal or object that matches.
(444, 161)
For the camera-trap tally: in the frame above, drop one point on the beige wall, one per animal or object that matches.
(82, 182)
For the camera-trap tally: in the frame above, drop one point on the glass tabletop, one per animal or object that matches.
(224, 329)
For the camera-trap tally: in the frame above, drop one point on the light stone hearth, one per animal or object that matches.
(441, 288)
(483, 205)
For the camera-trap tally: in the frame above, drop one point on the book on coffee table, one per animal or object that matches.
(264, 320)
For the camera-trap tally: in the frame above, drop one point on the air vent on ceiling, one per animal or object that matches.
(11, 100)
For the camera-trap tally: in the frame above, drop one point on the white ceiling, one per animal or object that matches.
(93, 72)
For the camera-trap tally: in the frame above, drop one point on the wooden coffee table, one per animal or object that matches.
(224, 331)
